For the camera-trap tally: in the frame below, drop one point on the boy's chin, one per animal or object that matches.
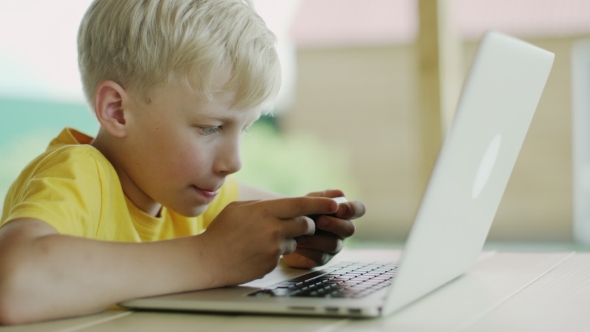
(192, 211)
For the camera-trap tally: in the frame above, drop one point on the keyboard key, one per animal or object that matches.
(344, 280)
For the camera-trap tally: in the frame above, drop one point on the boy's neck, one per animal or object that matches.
(106, 144)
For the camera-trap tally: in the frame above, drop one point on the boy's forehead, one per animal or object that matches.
(182, 94)
(219, 107)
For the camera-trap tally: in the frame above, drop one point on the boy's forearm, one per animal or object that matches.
(55, 276)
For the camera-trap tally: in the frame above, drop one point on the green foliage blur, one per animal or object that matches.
(293, 165)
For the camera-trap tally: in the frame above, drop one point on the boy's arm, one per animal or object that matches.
(46, 275)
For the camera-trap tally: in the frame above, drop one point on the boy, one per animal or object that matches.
(96, 221)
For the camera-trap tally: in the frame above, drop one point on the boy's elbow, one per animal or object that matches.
(9, 308)
(16, 309)
(12, 306)
(19, 277)
(18, 305)
(9, 316)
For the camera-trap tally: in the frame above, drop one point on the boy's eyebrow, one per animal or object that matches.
(221, 118)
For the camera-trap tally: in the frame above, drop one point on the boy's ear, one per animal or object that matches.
(110, 103)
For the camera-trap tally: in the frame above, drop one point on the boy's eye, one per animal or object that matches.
(209, 130)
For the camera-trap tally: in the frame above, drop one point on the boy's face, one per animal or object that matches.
(179, 148)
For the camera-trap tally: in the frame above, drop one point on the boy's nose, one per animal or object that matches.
(229, 160)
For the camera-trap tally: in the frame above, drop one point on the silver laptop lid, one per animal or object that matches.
(478, 154)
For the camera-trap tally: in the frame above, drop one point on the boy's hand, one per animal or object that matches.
(247, 238)
(331, 230)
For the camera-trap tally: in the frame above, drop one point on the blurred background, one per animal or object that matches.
(369, 89)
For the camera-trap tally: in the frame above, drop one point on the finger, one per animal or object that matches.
(286, 208)
(299, 226)
(324, 242)
(327, 193)
(241, 203)
(350, 210)
(310, 255)
(342, 228)
(288, 246)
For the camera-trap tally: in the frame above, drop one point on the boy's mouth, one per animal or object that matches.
(210, 194)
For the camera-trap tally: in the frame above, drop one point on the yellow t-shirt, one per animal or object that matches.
(75, 189)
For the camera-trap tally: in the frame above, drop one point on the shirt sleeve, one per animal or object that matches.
(64, 190)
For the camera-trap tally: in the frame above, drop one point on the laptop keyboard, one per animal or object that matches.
(350, 280)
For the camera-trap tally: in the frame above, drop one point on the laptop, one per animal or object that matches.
(476, 159)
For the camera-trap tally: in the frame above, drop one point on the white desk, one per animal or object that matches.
(505, 291)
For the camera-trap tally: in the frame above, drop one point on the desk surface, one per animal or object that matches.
(505, 291)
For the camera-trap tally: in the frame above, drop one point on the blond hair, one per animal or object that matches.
(144, 43)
